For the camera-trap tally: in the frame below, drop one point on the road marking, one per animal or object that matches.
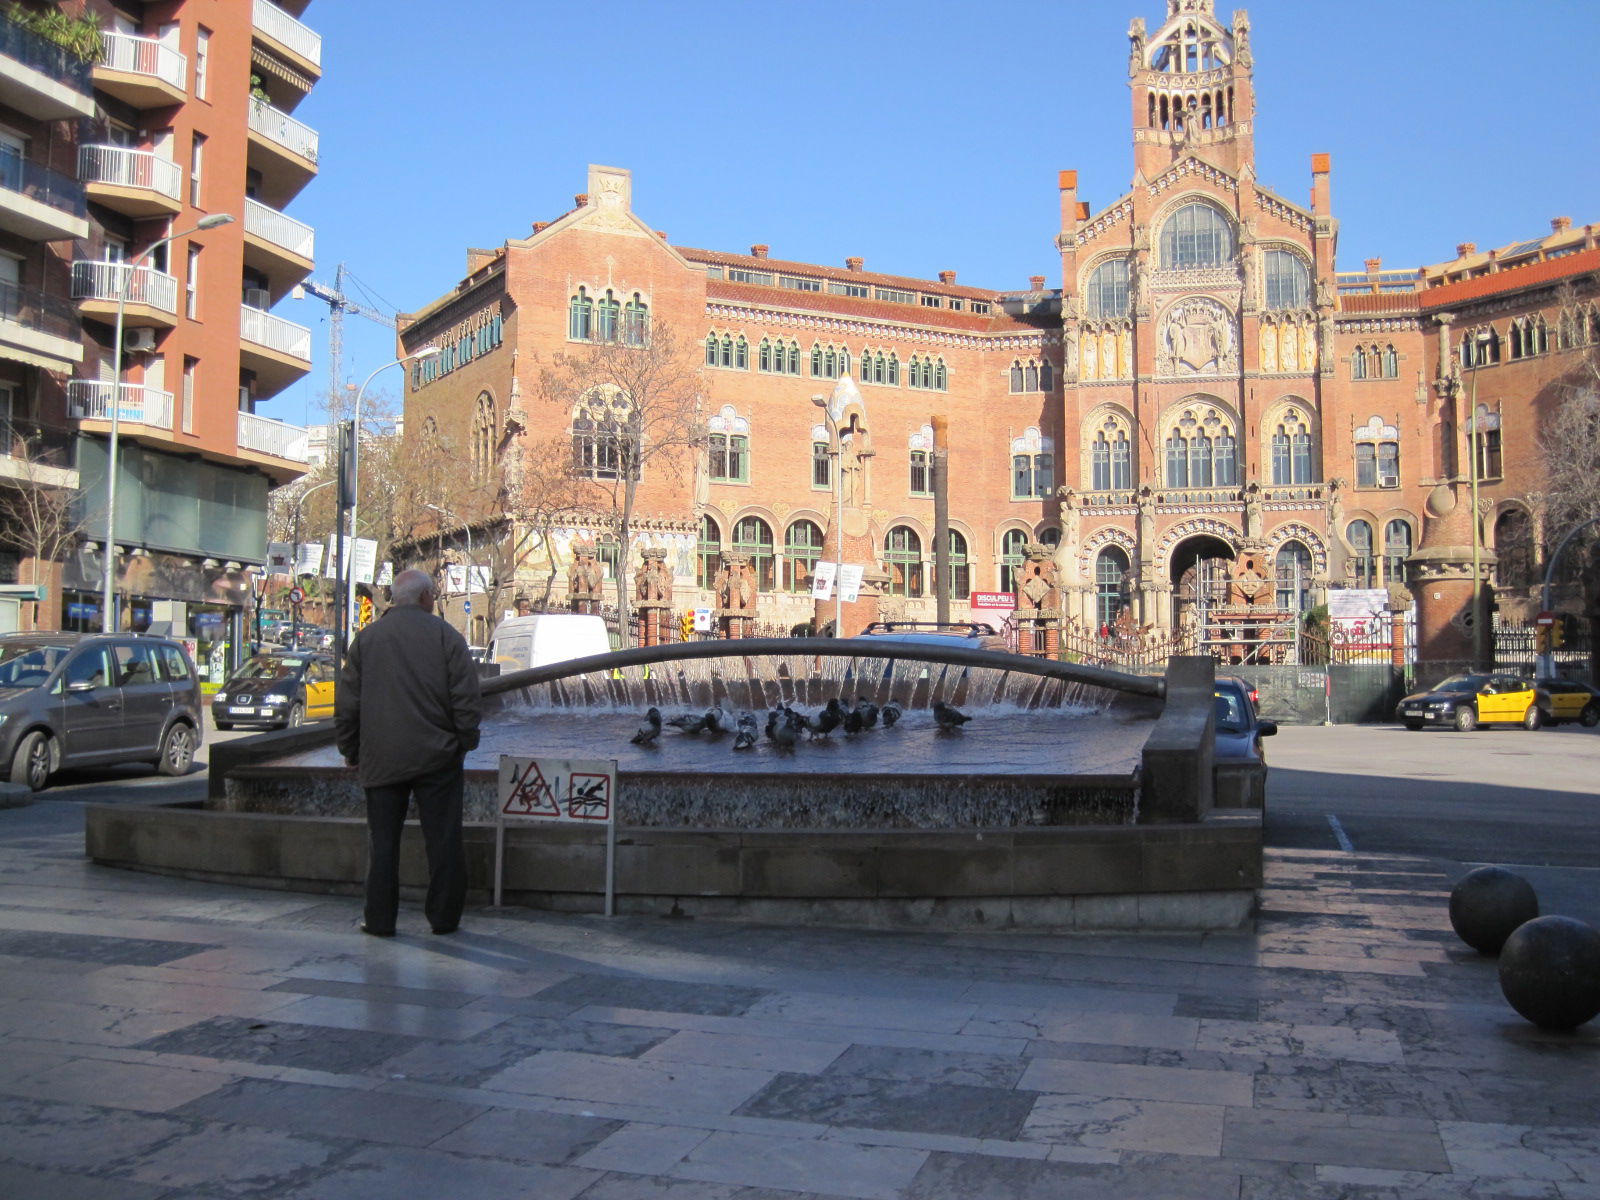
(1339, 834)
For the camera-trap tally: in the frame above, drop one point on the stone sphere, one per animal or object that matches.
(1486, 905)
(1550, 972)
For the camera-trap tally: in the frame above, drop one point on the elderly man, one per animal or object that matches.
(407, 712)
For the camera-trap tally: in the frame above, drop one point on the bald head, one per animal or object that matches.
(413, 588)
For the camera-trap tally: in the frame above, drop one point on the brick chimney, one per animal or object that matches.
(1465, 248)
(1036, 283)
(947, 277)
(662, 234)
(855, 264)
(759, 251)
(1560, 224)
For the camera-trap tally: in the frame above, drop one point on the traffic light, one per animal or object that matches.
(363, 612)
(1541, 639)
(686, 625)
(1569, 629)
(1558, 631)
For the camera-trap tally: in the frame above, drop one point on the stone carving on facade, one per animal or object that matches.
(735, 587)
(1196, 338)
(1252, 511)
(653, 583)
(1135, 46)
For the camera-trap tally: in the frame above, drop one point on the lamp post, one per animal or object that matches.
(836, 453)
(108, 579)
(1480, 632)
(1547, 661)
(445, 512)
(294, 567)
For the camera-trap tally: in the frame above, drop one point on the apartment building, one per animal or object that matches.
(128, 131)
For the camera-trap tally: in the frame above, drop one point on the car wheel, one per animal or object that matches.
(1533, 718)
(177, 750)
(1590, 716)
(296, 717)
(1413, 725)
(1466, 719)
(31, 764)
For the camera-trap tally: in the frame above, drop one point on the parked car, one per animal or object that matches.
(73, 699)
(539, 639)
(975, 635)
(1240, 772)
(279, 690)
(1570, 700)
(1464, 702)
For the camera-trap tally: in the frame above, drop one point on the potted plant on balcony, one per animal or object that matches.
(78, 36)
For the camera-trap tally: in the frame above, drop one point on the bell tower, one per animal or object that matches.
(1192, 90)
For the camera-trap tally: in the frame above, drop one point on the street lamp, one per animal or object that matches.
(833, 408)
(108, 579)
(446, 513)
(1480, 632)
(294, 566)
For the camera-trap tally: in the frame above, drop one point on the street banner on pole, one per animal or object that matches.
(850, 582)
(364, 560)
(822, 580)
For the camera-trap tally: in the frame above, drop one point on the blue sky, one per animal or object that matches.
(922, 135)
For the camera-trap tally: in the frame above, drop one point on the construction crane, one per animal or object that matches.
(338, 304)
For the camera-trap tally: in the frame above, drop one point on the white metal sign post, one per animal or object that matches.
(564, 790)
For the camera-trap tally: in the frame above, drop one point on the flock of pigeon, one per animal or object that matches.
(785, 725)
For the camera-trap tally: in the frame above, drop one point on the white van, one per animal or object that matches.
(544, 638)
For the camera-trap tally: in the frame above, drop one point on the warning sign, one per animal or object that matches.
(558, 789)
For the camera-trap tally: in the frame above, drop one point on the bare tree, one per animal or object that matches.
(1570, 446)
(40, 518)
(636, 405)
(542, 494)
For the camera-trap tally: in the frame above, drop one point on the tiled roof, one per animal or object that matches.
(996, 321)
(841, 274)
(1512, 279)
(1381, 302)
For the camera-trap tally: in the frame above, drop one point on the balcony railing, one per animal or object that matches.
(37, 182)
(39, 311)
(44, 56)
(279, 127)
(272, 437)
(40, 445)
(90, 400)
(121, 167)
(270, 225)
(143, 56)
(281, 27)
(273, 332)
(92, 280)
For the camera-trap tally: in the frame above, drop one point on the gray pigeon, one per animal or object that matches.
(852, 720)
(650, 730)
(829, 719)
(947, 717)
(719, 719)
(688, 723)
(784, 730)
(868, 711)
(891, 713)
(746, 737)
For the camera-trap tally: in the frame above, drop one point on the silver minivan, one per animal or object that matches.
(73, 699)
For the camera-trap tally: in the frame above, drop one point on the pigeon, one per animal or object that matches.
(783, 731)
(746, 737)
(868, 711)
(688, 723)
(852, 721)
(947, 717)
(773, 714)
(891, 713)
(719, 719)
(649, 731)
(826, 721)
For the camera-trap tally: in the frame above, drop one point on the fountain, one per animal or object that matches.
(1077, 797)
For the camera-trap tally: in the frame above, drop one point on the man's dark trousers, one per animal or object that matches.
(438, 798)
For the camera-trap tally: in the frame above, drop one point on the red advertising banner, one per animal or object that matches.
(994, 601)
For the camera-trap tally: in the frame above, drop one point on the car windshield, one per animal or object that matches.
(1230, 712)
(272, 667)
(1462, 683)
(28, 666)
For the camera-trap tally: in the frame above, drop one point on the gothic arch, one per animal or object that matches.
(1106, 535)
(1308, 537)
(1208, 527)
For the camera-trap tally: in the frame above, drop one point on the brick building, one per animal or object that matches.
(1200, 415)
(168, 112)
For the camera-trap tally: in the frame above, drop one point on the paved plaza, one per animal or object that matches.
(168, 1039)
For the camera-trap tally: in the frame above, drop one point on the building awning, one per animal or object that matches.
(267, 65)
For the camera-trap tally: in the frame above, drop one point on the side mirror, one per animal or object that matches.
(80, 685)
(1267, 728)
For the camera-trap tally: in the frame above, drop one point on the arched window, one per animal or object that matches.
(1202, 451)
(1485, 431)
(1389, 363)
(485, 434)
(607, 314)
(1396, 549)
(636, 323)
(1358, 363)
(580, 317)
(1363, 566)
(753, 536)
(605, 436)
(728, 446)
(1293, 569)
(1513, 548)
(1106, 294)
(1111, 458)
(1110, 586)
(802, 547)
(902, 554)
(1291, 450)
(1288, 281)
(1377, 455)
(1011, 558)
(960, 588)
(708, 553)
(1016, 377)
(1195, 237)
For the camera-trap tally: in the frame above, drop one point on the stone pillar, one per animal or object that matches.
(1441, 577)
(735, 591)
(1038, 612)
(653, 597)
(1399, 603)
(585, 579)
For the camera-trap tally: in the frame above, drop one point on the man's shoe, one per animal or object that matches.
(446, 928)
(362, 925)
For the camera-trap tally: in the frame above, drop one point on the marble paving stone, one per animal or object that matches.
(1231, 1008)
(831, 1168)
(233, 1160)
(651, 995)
(140, 1086)
(85, 1024)
(669, 1086)
(1173, 1033)
(857, 1102)
(1120, 1124)
(977, 1177)
(281, 1043)
(1305, 1041)
(643, 1149)
(407, 1019)
(930, 1066)
(332, 1112)
(886, 1012)
(1341, 965)
(1418, 1185)
(527, 1135)
(18, 1182)
(92, 948)
(40, 1133)
(1179, 1085)
(734, 1050)
(470, 1062)
(392, 1172)
(1335, 1139)
(636, 1187)
(1559, 1154)
(381, 993)
(1047, 996)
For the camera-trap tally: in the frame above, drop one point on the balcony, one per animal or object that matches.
(40, 204)
(296, 44)
(38, 455)
(152, 296)
(90, 400)
(283, 150)
(40, 78)
(135, 182)
(277, 245)
(261, 435)
(278, 351)
(39, 329)
(141, 71)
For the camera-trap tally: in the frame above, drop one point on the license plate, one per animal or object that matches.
(241, 712)
(1413, 712)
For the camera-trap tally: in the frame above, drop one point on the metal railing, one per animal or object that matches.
(90, 399)
(273, 332)
(284, 231)
(281, 27)
(143, 56)
(39, 182)
(266, 436)
(279, 127)
(44, 56)
(122, 167)
(39, 311)
(94, 280)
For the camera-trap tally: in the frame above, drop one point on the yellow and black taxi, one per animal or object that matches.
(1464, 702)
(279, 691)
(1570, 701)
